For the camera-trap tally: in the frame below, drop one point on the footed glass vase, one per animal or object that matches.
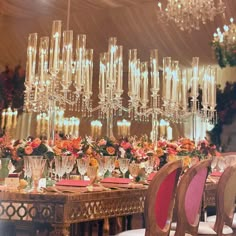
(37, 164)
(4, 169)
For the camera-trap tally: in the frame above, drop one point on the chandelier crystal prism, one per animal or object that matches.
(189, 14)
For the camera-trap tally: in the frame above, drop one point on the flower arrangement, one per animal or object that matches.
(32, 146)
(107, 147)
(68, 147)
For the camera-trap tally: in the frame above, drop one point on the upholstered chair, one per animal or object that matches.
(159, 202)
(225, 205)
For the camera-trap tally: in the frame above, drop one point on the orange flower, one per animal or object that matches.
(117, 164)
(171, 157)
(57, 151)
(89, 150)
(93, 162)
(159, 152)
(76, 143)
(36, 142)
(186, 161)
(111, 150)
(28, 150)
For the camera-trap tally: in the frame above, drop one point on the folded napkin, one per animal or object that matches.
(73, 182)
(216, 174)
(116, 180)
(150, 177)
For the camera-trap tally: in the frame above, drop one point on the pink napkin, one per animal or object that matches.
(116, 180)
(73, 182)
(216, 173)
(150, 177)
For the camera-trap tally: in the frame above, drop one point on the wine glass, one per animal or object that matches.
(123, 164)
(110, 163)
(69, 165)
(221, 164)
(150, 165)
(102, 168)
(92, 173)
(214, 163)
(82, 166)
(60, 166)
(134, 170)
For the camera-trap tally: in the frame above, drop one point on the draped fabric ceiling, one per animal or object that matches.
(133, 22)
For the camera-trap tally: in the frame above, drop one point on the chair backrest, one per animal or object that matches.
(159, 200)
(189, 198)
(225, 199)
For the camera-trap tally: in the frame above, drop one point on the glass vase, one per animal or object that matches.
(4, 169)
(37, 164)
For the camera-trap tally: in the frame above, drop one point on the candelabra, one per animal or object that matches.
(62, 79)
(188, 14)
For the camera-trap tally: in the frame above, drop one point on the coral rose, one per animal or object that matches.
(28, 150)
(36, 142)
(111, 150)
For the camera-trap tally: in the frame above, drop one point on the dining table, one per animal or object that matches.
(72, 202)
(76, 201)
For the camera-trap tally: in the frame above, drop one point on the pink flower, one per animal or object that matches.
(102, 142)
(125, 145)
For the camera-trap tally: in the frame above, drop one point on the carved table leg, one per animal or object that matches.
(60, 230)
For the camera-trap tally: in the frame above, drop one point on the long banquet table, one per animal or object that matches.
(71, 205)
(63, 206)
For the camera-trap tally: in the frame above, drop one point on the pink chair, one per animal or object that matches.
(225, 205)
(189, 199)
(159, 202)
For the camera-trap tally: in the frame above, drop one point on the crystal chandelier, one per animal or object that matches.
(224, 44)
(189, 14)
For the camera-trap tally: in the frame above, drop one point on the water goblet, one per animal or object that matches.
(214, 163)
(102, 167)
(92, 173)
(82, 166)
(110, 163)
(221, 164)
(69, 165)
(60, 166)
(123, 164)
(134, 170)
(150, 165)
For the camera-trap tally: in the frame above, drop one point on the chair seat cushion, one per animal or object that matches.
(134, 232)
(207, 228)
(213, 219)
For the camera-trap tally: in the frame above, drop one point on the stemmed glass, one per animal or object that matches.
(134, 170)
(150, 165)
(123, 164)
(82, 165)
(60, 166)
(110, 163)
(92, 173)
(214, 163)
(221, 164)
(102, 168)
(69, 165)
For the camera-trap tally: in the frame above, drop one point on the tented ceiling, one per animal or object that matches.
(133, 22)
